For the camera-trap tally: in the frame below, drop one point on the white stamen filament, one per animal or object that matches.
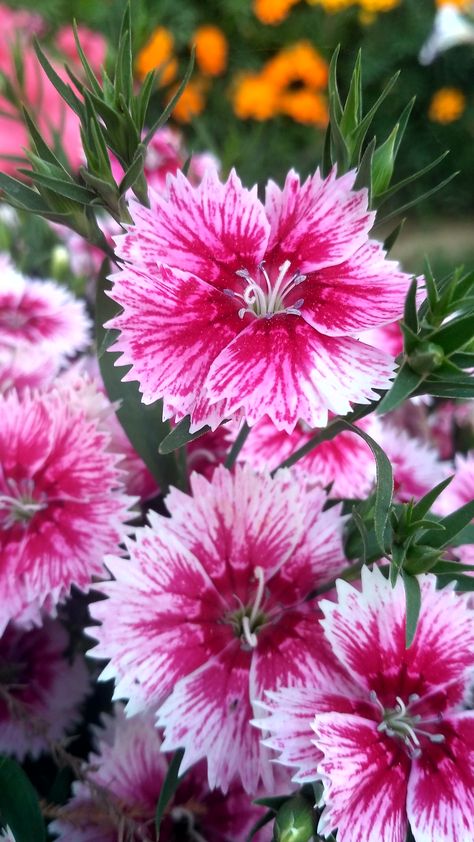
(399, 722)
(260, 576)
(265, 304)
(250, 636)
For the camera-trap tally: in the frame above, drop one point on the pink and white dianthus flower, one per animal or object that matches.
(22, 368)
(389, 736)
(415, 464)
(345, 462)
(131, 768)
(62, 504)
(459, 492)
(235, 307)
(214, 607)
(41, 315)
(45, 685)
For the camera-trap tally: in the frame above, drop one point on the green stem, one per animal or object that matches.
(237, 446)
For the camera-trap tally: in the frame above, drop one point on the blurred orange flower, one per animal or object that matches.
(447, 105)
(254, 97)
(297, 64)
(211, 50)
(272, 11)
(158, 53)
(305, 106)
(191, 102)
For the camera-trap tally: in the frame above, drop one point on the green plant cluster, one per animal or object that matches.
(261, 150)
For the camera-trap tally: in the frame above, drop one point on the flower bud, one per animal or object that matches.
(294, 821)
(426, 358)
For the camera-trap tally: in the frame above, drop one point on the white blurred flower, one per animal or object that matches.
(450, 29)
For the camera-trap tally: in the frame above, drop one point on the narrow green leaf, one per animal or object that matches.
(453, 524)
(69, 189)
(413, 605)
(167, 111)
(423, 506)
(326, 163)
(396, 566)
(410, 316)
(361, 528)
(273, 802)
(237, 446)
(453, 336)
(264, 820)
(405, 383)
(364, 125)
(170, 785)
(352, 109)
(19, 805)
(392, 238)
(446, 390)
(333, 88)
(22, 195)
(41, 147)
(417, 200)
(383, 163)
(406, 181)
(142, 423)
(180, 436)
(134, 171)
(465, 536)
(91, 77)
(464, 584)
(445, 567)
(402, 124)
(384, 489)
(431, 288)
(364, 170)
(64, 90)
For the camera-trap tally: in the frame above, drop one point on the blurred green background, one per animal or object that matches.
(390, 41)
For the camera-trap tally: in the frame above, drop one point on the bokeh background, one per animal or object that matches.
(257, 97)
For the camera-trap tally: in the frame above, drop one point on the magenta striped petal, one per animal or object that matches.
(211, 230)
(363, 292)
(365, 780)
(367, 633)
(236, 523)
(172, 343)
(208, 715)
(316, 224)
(441, 787)
(282, 368)
(159, 622)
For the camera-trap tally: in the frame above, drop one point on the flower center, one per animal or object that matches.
(21, 505)
(400, 723)
(247, 620)
(264, 299)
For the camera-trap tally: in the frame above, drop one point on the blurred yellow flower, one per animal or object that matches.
(272, 11)
(332, 6)
(211, 50)
(191, 102)
(376, 6)
(305, 106)
(461, 4)
(254, 97)
(158, 53)
(447, 105)
(297, 64)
